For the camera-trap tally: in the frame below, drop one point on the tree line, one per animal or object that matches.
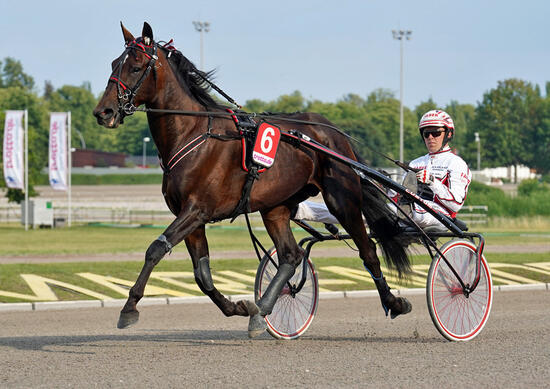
(512, 119)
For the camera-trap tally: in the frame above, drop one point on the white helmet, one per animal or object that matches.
(438, 118)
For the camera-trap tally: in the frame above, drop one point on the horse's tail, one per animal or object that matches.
(383, 223)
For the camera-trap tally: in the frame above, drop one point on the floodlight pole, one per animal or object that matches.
(143, 161)
(70, 170)
(476, 134)
(26, 174)
(400, 36)
(201, 27)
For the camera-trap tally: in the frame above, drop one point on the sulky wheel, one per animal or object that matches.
(293, 312)
(456, 316)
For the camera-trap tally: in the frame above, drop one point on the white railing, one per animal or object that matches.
(471, 214)
(118, 215)
(474, 214)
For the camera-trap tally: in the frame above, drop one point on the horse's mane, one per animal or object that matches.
(191, 80)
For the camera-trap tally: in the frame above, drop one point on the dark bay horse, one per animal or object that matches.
(203, 179)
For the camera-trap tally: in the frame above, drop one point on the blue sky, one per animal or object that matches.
(325, 49)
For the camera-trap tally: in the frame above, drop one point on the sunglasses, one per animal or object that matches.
(435, 134)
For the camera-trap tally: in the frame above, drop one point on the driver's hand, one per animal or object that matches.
(423, 176)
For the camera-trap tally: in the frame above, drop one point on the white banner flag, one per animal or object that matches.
(58, 150)
(13, 149)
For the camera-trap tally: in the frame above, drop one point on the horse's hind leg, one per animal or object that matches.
(198, 249)
(346, 206)
(289, 253)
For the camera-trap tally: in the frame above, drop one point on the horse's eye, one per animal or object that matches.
(136, 69)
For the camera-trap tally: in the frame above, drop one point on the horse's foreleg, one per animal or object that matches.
(198, 249)
(173, 235)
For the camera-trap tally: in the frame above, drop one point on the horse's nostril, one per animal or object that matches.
(107, 113)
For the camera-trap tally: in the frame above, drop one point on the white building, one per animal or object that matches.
(499, 174)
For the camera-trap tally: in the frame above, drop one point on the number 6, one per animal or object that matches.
(266, 143)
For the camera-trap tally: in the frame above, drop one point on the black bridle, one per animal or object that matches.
(125, 93)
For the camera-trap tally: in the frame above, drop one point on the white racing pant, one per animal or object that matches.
(318, 212)
(315, 212)
(420, 216)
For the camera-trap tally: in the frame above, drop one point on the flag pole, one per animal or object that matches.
(69, 168)
(26, 171)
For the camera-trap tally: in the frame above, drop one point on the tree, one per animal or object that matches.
(12, 75)
(129, 138)
(506, 120)
(464, 139)
(293, 102)
(80, 101)
(256, 105)
(382, 135)
(540, 137)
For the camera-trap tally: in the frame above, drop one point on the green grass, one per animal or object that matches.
(533, 199)
(109, 179)
(67, 272)
(15, 241)
(82, 240)
(89, 240)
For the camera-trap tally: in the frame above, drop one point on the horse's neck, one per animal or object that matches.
(171, 132)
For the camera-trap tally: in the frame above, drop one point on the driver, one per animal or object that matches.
(442, 180)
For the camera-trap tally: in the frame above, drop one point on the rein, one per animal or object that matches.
(126, 107)
(250, 114)
(402, 165)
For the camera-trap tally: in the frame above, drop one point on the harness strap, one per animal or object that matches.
(256, 242)
(126, 94)
(243, 206)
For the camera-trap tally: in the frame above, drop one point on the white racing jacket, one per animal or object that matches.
(451, 178)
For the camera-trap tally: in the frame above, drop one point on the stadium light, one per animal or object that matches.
(145, 141)
(476, 134)
(202, 27)
(401, 35)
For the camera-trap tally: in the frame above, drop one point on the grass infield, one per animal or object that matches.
(14, 241)
(68, 273)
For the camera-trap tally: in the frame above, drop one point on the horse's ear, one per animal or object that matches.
(128, 37)
(147, 34)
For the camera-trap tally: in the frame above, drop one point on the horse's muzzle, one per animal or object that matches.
(107, 117)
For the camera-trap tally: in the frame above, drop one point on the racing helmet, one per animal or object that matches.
(438, 118)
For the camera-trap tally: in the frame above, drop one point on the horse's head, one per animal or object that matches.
(132, 81)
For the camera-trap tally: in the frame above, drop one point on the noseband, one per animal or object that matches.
(125, 93)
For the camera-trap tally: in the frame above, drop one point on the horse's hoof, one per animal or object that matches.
(127, 319)
(256, 325)
(251, 307)
(406, 307)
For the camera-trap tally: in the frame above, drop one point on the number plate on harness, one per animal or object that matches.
(265, 145)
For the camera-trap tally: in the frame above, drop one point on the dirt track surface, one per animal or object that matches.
(349, 344)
